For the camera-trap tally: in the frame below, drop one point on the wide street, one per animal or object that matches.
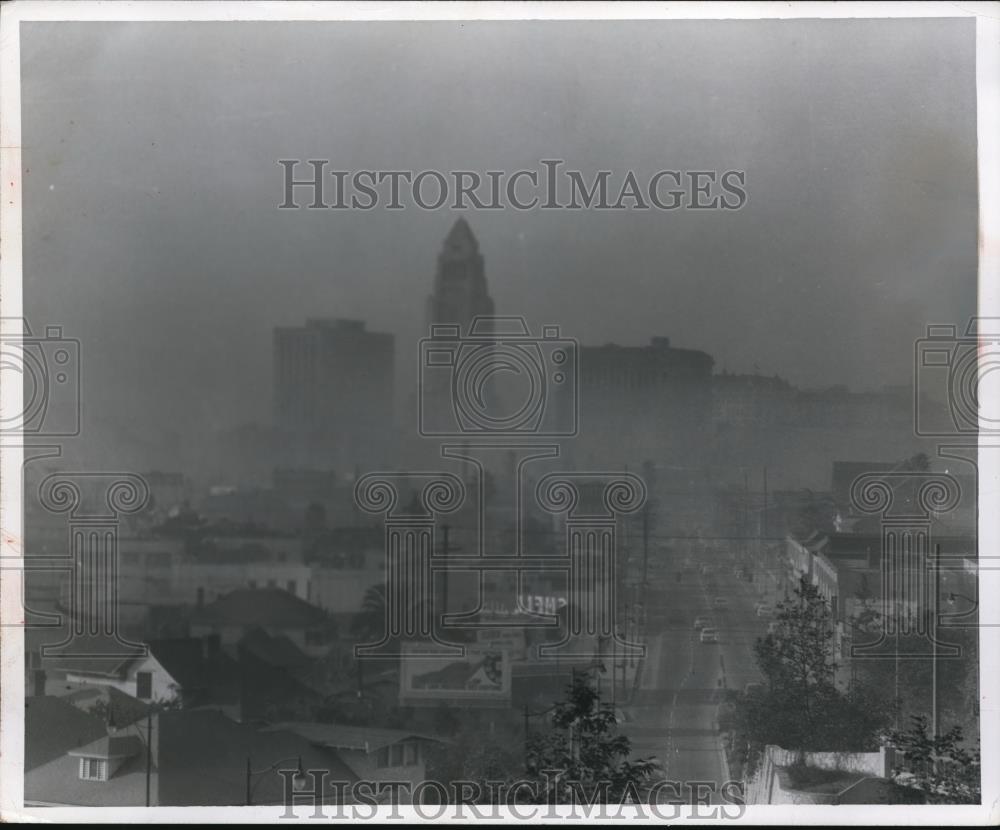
(673, 713)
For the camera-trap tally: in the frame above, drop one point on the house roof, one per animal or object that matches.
(102, 655)
(52, 726)
(880, 791)
(182, 658)
(122, 709)
(343, 736)
(273, 650)
(58, 783)
(110, 746)
(266, 607)
(200, 760)
(203, 756)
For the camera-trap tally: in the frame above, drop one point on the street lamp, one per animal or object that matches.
(298, 780)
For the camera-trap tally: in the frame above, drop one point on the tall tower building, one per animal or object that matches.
(460, 291)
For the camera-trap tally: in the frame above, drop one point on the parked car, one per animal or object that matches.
(709, 635)
(753, 687)
(721, 602)
(702, 622)
(765, 610)
(772, 627)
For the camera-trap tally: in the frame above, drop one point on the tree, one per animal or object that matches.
(369, 623)
(917, 463)
(581, 751)
(477, 756)
(939, 765)
(801, 707)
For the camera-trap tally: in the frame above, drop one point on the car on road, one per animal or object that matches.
(709, 635)
(703, 622)
(721, 602)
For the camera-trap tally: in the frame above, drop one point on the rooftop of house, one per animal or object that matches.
(274, 650)
(109, 746)
(52, 725)
(98, 655)
(183, 658)
(200, 759)
(203, 756)
(346, 737)
(846, 787)
(265, 607)
(115, 706)
(59, 783)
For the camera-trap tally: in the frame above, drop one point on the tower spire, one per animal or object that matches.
(460, 290)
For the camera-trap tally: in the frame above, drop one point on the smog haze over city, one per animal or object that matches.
(859, 149)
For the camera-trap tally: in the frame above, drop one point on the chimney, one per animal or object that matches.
(39, 683)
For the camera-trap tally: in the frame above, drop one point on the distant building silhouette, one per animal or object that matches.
(639, 403)
(460, 289)
(333, 394)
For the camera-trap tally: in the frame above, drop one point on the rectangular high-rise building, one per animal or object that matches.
(333, 395)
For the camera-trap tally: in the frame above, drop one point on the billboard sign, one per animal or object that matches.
(481, 677)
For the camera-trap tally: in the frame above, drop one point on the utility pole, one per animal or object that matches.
(746, 506)
(248, 776)
(446, 549)
(614, 671)
(645, 542)
(763, 516)
(526, 732)
(934, 655)
(149, 752)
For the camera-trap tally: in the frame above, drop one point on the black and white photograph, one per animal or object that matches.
(549, 413)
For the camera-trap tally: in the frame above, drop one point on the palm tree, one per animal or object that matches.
(369, 623)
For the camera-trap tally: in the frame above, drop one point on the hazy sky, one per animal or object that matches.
(151, 228)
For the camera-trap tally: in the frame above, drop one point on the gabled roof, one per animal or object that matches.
(58, 782)
(275, 651)
(110, 746)
(266, 607)
(200, 760)
(101, 655)
(52, 726)
(346, 737)
(203, 757)
(122, 709)
(182, 658)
